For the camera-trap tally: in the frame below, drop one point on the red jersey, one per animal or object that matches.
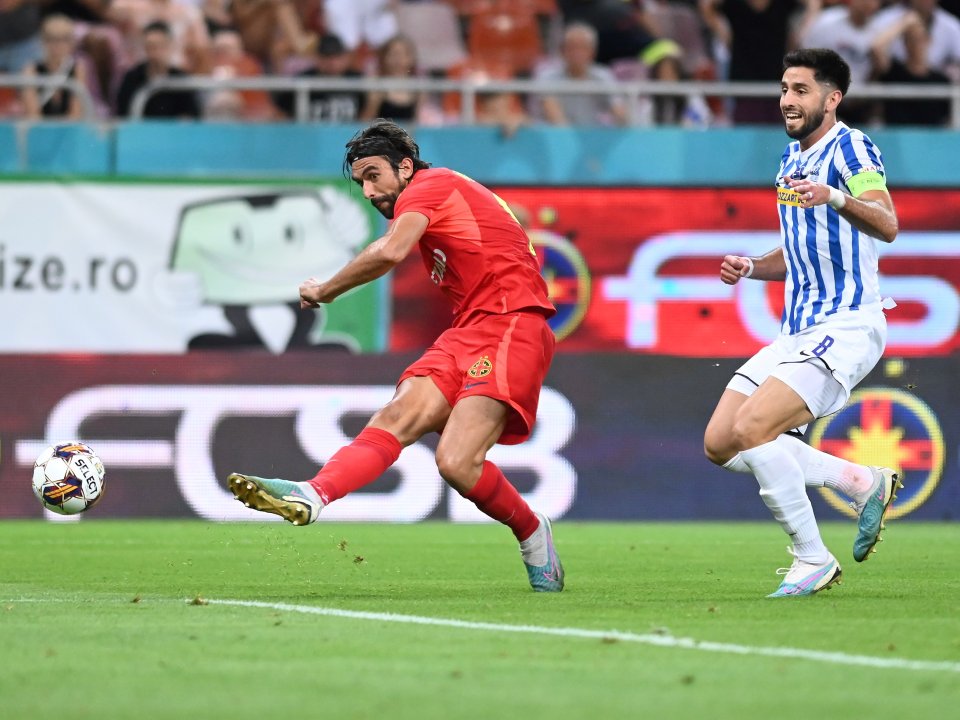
(473, 248)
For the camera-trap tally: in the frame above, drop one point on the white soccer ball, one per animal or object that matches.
(68, 478)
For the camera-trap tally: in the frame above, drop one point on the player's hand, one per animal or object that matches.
(311, 294)
(811, 193)
(735, 267)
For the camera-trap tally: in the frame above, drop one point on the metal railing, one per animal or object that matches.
(55, 83)
(469, 89)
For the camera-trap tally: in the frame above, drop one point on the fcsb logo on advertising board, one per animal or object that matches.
(891, 428)
(567, 277)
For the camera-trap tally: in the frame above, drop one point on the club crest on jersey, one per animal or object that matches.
(439, 267)
(481, 368)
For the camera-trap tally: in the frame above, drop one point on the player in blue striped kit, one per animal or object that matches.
(833, 206)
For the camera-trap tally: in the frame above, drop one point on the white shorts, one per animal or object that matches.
(823, 363)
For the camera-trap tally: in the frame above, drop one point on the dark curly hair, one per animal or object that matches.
(383, 138)
(828, 67)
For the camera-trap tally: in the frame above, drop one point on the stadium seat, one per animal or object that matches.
(435, 31)
(510, 38)
(10, 105)
(479, 7)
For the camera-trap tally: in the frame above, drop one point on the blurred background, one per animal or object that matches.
(170, 170)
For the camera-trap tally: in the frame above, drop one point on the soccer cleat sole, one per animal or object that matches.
(871, 549)
(247, 491)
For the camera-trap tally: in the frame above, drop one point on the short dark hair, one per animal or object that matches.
(827, 65)
(383, 138)
(330, 44)
(157, 26)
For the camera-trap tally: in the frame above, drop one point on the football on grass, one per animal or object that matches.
(68, 478)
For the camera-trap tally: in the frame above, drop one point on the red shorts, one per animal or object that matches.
(505, 357)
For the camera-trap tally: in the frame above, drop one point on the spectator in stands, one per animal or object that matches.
(99, 43)
(631, 39)
(680, 23)
(758, 35)
(272, 31)
(503, 110)
(850, 30)
(620, 32)
(158, 48)
(338, 106)
(943, 49)
(190, 42)
(58, 61)
(361, 22)
(19, 34)
(229, 60)
(578, 53)
(915, 68)
(397, 58)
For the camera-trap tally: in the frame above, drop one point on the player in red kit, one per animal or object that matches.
(479, 383)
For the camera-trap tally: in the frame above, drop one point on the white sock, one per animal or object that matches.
(534, 548)
(822, 469)
(736, 464)
(819, 469)
(782, 489)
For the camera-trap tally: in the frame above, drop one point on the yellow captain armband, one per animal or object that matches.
(859, 184)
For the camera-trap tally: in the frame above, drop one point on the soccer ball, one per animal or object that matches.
(68, 478)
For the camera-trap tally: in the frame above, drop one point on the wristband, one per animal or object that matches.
(749, 271)
(837, 199)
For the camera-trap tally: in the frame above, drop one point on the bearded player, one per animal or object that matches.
(479, 383)
(834, 206)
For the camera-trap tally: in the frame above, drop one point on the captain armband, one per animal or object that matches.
(871, 180)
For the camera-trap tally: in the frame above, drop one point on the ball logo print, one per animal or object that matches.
(891, 428)
(68, 478)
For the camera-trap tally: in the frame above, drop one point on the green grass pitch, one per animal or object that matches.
(109, 619)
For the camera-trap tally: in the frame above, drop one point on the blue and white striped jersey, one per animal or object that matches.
(831, 266)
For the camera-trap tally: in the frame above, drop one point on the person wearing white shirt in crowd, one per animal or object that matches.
(850, 30)
(943, 51)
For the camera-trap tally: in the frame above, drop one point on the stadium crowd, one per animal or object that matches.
(115, 47)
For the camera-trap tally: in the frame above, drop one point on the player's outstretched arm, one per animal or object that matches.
(771, 266)
(378, 258)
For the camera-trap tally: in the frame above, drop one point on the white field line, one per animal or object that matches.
(667, 641)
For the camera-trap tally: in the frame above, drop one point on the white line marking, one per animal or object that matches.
(569, 632)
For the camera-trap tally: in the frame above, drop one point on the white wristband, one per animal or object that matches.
(749, 271)
(837, 199)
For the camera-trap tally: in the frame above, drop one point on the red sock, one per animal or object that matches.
(357, 464)
(496, 497)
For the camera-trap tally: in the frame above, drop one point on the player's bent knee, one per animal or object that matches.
(746, 433)
(717, 446)
(718, 456)
(458, 471)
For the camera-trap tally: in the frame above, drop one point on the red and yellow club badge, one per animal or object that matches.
(481, 368)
